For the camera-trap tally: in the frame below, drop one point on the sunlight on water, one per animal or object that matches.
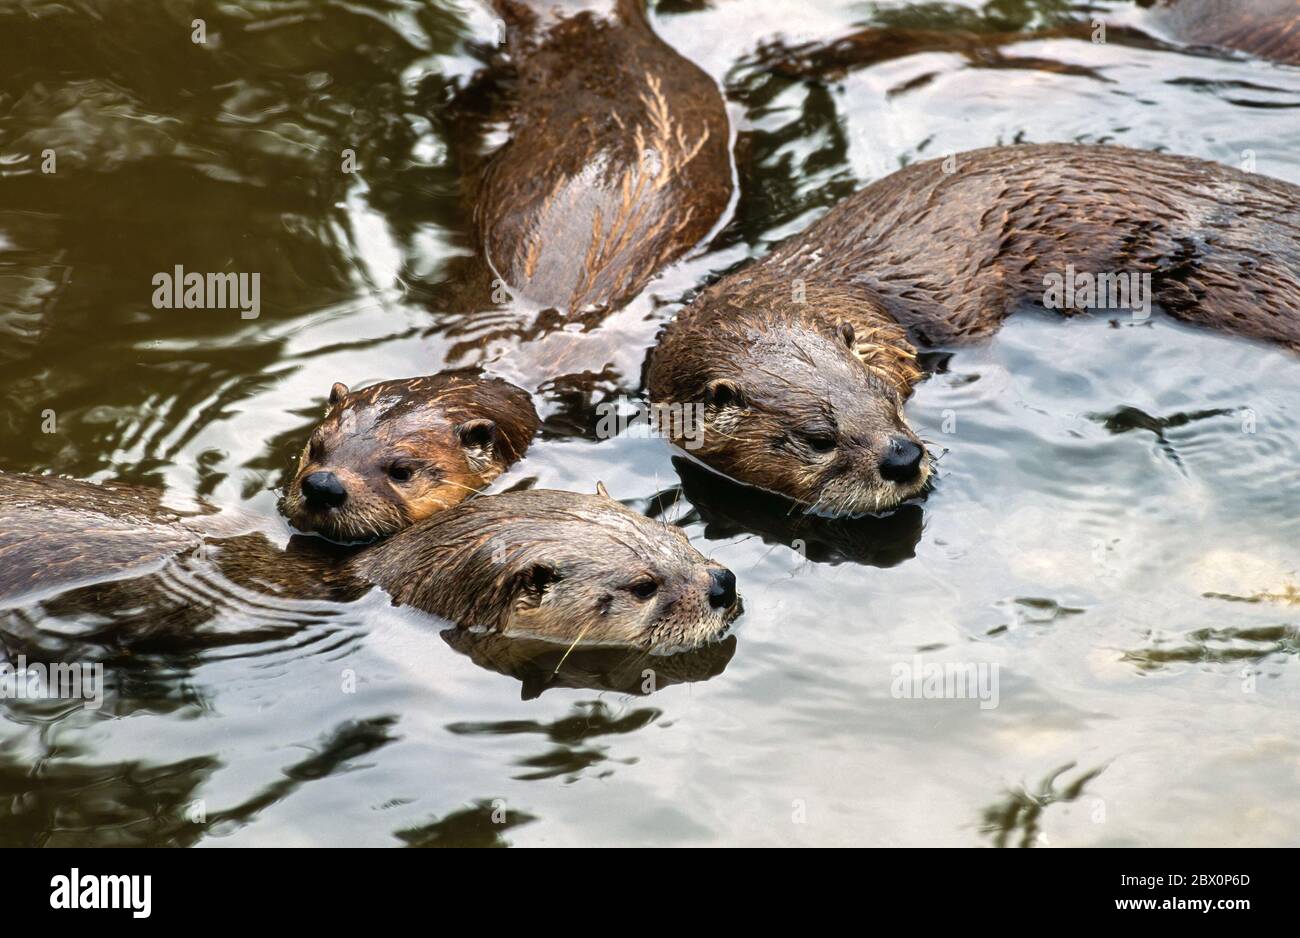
(1113, 524)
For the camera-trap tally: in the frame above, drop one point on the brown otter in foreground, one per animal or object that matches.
(544, 564)
(618, 159)
(801, 361)
(398, 451)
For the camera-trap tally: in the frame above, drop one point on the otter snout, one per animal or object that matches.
(323, 490)
(902, 460)
(722, 588)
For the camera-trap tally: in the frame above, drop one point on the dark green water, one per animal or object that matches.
(1113, 501)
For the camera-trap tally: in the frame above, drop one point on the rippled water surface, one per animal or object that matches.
(1114, 524)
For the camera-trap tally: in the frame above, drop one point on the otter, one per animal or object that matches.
(396, 452)
(1269, 29)
(801, 363)
(618, 160)
(541, 564)
(616, 164)
(560, 566)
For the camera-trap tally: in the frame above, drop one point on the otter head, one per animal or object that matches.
(399, 451)
(792, 398)
(561, 567)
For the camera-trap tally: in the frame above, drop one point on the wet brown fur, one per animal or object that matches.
(453, 432)
(800, 360)
(553, 565)
(1269, 29)
(948, 256)
(617, 162)
(556, 566)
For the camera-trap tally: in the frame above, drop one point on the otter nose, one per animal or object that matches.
(722, 588)
(324, 490)
(902, 460)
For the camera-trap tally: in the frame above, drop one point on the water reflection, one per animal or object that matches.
(1105, 578)
(60, 803)
(226, 592)
(483, 825)
(573, 752)
(1016, 821)
(728, 509)
(540, 666)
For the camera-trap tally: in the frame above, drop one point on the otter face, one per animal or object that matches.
(399, 451)
(562, 567)
(662, 596)
(796, 412)
(610, 576)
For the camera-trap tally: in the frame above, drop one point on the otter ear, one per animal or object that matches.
(532, 584)
(722, 392)
(479, 433)
(601, 490)
(337, 393)
(846, 334)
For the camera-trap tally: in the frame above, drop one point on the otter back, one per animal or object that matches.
(618, 159)
(950, 247)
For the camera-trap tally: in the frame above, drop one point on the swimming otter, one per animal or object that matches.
(543, 564)
(559, 566)
(396, 452)
(801, 362)
(618, 159)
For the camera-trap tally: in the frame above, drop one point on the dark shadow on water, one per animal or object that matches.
(483, 825)
(1015, 821)
(50, 802)
(573, 753)
(125, 804)
(540, 666)
(728, 509)
(1224, 646)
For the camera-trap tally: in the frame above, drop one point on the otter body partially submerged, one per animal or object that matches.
(1269, 29)
(618, 161)
(547, 565)
(396, 452)
(558, 566)
(801, 361)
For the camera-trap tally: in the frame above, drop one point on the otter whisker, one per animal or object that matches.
(565, 657)
(468, 488)
(735, 543)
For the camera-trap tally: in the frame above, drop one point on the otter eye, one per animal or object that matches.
(316, 449)
(399, 473)
(644, 588)
(820, 442)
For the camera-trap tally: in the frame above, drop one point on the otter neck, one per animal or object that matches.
(879, 341)
(429, 567)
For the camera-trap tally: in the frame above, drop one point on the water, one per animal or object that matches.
(1113, 524)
